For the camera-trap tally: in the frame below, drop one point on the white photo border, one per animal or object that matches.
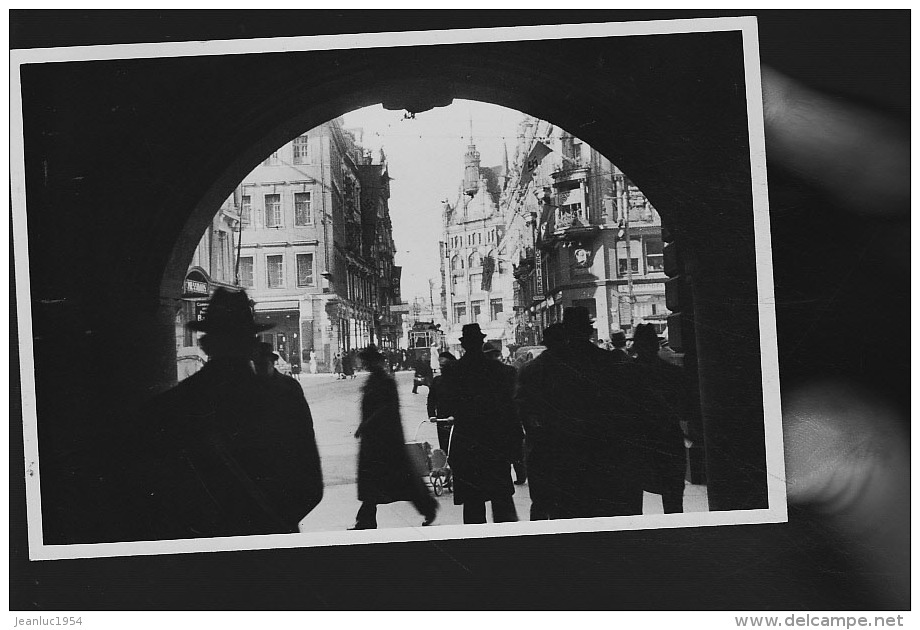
(776, 485)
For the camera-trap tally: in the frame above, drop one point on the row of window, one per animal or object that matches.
(649, 248)
(475, 238)
(299, 151)
(274, 272)
(273, 212)
(360, 288)
(475, 310)
(475, 282)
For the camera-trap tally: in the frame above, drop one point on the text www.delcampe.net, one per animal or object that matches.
(819, 621)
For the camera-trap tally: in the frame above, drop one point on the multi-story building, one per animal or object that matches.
(314, 247)
(477, 284)
(586, 236)
(380, 248)
(213, 265)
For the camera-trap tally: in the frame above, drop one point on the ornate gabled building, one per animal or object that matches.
(477, 285)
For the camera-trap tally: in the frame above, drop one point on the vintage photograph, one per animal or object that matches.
(345, 290)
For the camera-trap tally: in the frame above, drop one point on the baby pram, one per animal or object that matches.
(431, 463)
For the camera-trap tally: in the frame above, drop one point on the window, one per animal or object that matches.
(275, 265)
(456, 264)
(622, 268)
(301, 149)
(475, 310)
(633, 254)
(273, 211)
(246, 210)
(272, 159)
(475, 260)
(476, 281)
(305, 270)
(303, 208)
(496, 308)
(459, 313)
(247, 279)
(654, 255)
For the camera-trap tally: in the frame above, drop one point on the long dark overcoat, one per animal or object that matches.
(385, 473)
(487, 433)
(661, 459)
(224, 454)
(580, 405)
(442, 402)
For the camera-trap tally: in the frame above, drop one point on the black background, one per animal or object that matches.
(820, 257)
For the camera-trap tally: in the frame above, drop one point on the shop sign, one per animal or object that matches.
(538, 275)
(196, 287)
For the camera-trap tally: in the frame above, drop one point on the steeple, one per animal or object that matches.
(471, 166)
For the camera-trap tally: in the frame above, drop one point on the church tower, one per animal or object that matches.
(471, 167)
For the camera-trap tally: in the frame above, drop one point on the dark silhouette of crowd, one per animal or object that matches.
(602, 428)
(231, 450)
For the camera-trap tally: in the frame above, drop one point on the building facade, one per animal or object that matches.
(477, 283)
(581, 235)
(314, 247)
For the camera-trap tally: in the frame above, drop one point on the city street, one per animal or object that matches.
(335, 406)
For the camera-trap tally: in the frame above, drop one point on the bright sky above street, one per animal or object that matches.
(425, 157)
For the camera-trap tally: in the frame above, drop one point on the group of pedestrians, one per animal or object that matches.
(601, 427)
(591, 429)
(343, 364)
(231, 450)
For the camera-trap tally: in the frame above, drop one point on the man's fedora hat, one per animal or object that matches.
(229, 312)
(577, 318)
(371, 353)
(472, 331)
(265, 350)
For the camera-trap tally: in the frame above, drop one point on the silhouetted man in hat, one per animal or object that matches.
(491, 352)
(487, 434)
(223, 454)
(593, 427)
(538, 403)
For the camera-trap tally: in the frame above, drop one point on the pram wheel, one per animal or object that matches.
(437, 485)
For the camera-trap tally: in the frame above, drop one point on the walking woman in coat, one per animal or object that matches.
(385, 473)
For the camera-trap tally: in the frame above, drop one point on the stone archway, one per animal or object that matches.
(179, 134)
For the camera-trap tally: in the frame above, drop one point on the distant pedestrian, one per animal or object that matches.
(348, 364)
(487, 435)
(618, 346)
(423, 373)
(337, 366)
(660, 445)
(385, 472)
(442, 398)
(313, 362)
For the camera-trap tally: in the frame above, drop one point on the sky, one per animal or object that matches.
(425, 157)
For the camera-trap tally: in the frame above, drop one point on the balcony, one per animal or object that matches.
(568, 223)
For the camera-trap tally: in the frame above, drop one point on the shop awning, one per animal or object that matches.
(290, 305)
